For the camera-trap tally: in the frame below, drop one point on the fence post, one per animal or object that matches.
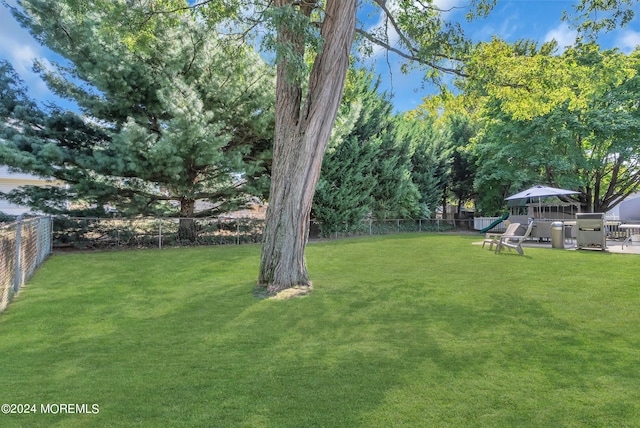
(51, 234)
(18, 268)
(160, 233)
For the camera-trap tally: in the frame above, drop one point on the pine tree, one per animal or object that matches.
(430, 162)
(463, 158)
(171, 112)
(343, 195)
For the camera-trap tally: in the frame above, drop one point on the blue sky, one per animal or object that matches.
(538, 20)
(512, 20)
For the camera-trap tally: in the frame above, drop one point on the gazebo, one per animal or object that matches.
(542, 205)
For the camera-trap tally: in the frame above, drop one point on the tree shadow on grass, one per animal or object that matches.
(207, 353)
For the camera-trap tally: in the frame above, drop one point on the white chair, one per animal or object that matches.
(493, 238)
(513, 241)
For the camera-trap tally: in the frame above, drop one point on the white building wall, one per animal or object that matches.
(12, 180)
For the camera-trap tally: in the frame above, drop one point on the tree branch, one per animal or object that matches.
(410, 57)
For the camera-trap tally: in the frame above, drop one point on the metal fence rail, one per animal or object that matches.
(105, 233)
(24, 245)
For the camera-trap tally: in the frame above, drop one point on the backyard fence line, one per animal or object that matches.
(24, 245)
(112, 233)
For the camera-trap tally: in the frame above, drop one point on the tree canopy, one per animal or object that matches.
(174, 112)
(574, 126)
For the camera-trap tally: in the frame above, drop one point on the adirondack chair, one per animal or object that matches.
(493, 238)
(513, 241)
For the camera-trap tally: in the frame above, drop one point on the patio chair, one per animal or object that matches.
(492, 238)
(514, 241)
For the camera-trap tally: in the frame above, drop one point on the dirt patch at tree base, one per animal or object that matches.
(298, 291)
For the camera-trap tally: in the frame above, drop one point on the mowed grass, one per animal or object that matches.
(411, 330)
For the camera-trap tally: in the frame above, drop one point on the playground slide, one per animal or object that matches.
(495, 223)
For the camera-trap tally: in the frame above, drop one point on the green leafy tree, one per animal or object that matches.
(588, 141)
(463, 158)
(174, 112)
(304, 117)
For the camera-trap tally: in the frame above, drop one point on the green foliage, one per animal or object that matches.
(172, 113)
(343, 193)
(430, 162)
(594, 16)
(463, 158)
(395, 194)
(295, 21)
(423, 36)
(386, 165)
(587, 140)
(367, 168)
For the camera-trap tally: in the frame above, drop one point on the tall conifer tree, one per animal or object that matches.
(171, 111)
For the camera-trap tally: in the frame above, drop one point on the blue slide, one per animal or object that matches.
(495, 223)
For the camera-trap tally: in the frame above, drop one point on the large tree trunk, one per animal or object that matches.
(187, 227)
(301, 136)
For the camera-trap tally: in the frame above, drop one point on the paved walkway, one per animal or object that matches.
(612, 246)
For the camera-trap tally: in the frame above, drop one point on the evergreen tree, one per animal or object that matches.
(366, 169)
(463, 158)
(430, 161)
(344, 193)
(395, 195)
(171, 112)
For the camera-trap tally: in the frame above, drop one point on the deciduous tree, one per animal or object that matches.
(586, 139)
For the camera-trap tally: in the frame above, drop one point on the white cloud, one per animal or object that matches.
(449, 4)
(19, 48)
(563, 35)
(505, 29)
(16, 44)
(392, 36)
(383, 27)
(629, 40)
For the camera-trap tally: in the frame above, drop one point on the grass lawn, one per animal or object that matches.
(411, 330)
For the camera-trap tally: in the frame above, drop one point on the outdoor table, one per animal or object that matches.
(632, 230)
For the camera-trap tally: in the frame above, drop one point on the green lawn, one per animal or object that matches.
(411, 330)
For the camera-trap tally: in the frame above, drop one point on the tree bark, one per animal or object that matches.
(302, 133)
(187, 227)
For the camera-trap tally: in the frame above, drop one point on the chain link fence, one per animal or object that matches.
(24, 245)
(391, 226)
(101, 233)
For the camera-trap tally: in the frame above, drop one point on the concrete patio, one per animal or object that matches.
(612, 246)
